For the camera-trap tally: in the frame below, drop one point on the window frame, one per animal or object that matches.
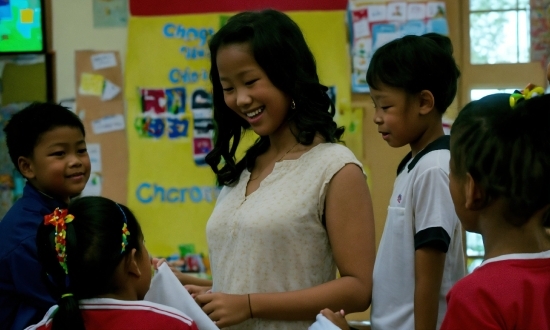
(515, 10)
(488, 76)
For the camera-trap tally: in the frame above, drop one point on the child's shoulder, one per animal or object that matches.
(434, 157)
(434, 162)
(19, 225)
(168, 315)
(27, 208)
(157, 315)
(149, 315)
(501, 273)
(22, 215)
(46, 322)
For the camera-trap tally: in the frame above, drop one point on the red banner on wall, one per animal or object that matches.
(179, 7)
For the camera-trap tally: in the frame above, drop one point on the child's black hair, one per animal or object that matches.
(417, 63)
(280, 49)
(93, 249)
(507, 151)
(26, 127)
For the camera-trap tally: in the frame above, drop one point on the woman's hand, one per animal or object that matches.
(337, 318)
(225, 309)
(196, 290)
(186, 279)
(157, 262)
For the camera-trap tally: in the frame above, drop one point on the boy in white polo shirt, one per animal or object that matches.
(413, 80)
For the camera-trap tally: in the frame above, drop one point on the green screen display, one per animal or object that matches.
(20, 26)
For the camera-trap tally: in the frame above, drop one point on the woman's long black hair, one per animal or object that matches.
(93, 249)
(281, 51)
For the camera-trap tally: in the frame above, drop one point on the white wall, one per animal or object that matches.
(73, 29)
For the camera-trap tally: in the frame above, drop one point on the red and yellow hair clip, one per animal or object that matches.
(59, 219)
(528, 92)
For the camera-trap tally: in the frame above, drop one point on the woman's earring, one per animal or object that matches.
(292, 105)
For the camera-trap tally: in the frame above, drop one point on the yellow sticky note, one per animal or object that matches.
(91, 84)
(27, 15)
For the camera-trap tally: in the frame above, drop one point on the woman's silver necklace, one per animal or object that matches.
(278, 160)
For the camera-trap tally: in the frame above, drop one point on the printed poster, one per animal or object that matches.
(374, 23)
(110, 13)
(540, 30)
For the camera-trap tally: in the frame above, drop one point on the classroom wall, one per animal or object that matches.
(73, 29)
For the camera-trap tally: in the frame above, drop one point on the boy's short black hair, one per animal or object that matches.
(417, 63)
(25, 128)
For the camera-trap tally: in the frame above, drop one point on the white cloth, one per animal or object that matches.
(274, 239)
(322, 323)
(167, 290)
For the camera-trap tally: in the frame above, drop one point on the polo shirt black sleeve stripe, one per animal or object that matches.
(434, 237)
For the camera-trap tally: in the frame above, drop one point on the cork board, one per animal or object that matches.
(100, 105)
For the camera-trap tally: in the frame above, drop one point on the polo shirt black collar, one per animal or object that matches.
(441, 143)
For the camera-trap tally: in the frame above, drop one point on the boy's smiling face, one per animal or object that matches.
(60, 165)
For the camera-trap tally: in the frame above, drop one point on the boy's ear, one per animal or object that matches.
(427, 102)
(132, 265)
(475, 195)
(25, 167)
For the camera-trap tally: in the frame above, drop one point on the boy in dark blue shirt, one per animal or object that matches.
(46, 144)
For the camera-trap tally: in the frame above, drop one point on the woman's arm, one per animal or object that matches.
(350, 227)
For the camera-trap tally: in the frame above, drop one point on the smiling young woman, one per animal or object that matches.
(297, 206)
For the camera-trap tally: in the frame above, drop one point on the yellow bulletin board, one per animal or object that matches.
(169, 117)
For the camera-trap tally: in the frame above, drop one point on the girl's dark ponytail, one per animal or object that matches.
(67, 316)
